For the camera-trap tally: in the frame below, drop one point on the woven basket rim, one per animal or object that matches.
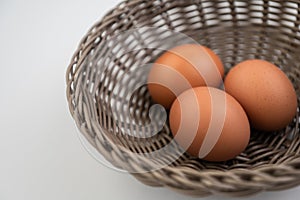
(290, 166)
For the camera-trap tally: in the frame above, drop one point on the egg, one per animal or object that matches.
(209, 123)
(181, 68)
(265, 92)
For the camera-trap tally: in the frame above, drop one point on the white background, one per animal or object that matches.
(41, 155)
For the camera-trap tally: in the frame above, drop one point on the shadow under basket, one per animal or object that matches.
(110, 103)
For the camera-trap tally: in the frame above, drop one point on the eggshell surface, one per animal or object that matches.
(209, 124)
(265, 92)
(182, 68)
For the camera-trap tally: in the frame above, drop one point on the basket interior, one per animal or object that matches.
(235, 30)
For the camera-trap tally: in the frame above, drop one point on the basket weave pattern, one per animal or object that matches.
(236, 30)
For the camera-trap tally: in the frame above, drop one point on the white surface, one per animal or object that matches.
(41, 155)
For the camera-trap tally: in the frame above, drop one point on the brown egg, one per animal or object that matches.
(181, 68)
(265, 93)
(209, 124)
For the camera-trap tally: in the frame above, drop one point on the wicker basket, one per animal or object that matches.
(236, 30)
